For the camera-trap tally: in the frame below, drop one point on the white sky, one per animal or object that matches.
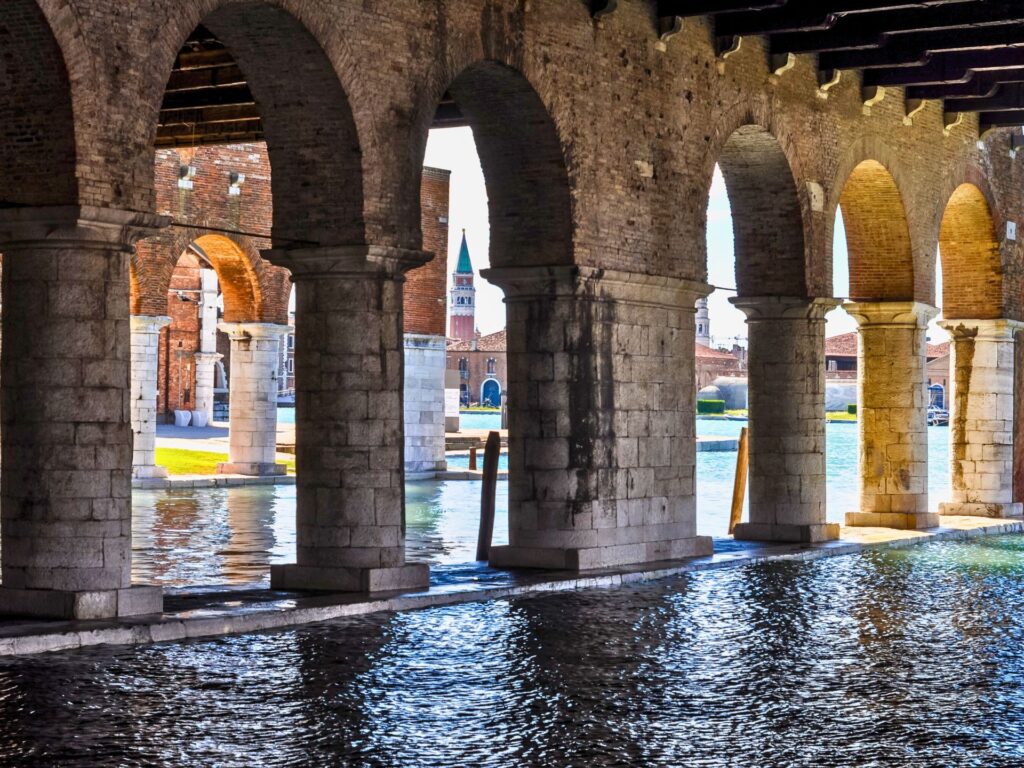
(454, 149)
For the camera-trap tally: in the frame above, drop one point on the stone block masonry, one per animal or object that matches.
(981, 418)
(423, 402)
(65, 489)
(787, 419)
(892, 406)
(145, 345)
(601, 444)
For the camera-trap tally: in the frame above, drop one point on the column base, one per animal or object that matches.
(903, 521)
(980, 509)
(794, 534)
(151, 471)
(317, 579)
(253, 469)
(558, 559)
(95, 604)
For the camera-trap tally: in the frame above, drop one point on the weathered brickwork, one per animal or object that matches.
(598, 145)
(425, 295)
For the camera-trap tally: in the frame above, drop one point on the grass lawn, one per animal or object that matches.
(840, 416)
(181, 462)
(478, 409)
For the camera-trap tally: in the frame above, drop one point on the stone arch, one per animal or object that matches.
(971, 257)
(38, 154)
(308, 124)
(239, 283)
(768, 224)
(877, 235)
(530, 204)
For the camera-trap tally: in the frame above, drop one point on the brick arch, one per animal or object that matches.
(311, 136)
(253, 289)
(39, 157)
(530, 207)
(767, 214)
(881, 253)
(971, 258)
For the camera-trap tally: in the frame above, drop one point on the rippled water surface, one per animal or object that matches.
(911, 657)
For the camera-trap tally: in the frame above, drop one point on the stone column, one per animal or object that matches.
(206, 367)
(601, 418)
(981, 423)
(892, 415)
(145, 344)
(786, 402)
(350, 506)
(66, 432)
(424, 404)
(252, 434)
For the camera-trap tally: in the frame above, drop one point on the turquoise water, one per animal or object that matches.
(285, 415)
(475, 420)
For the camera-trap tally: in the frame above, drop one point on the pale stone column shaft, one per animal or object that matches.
(601, 419)
(425, 362)
(892, 414)
(786, 402)
(981, 424)
(350, 508)
(66, 433)
(252, 434)
(145, 348)
(206, 368)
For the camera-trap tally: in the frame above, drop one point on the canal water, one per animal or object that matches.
(217, 536)
(909, 657)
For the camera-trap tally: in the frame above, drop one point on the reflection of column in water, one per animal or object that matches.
(345, 672)
(157, 553)
(250, 542)
(580, 663)
(423, 517)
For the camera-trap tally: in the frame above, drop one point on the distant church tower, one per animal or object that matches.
(703, 323)
(463, 324)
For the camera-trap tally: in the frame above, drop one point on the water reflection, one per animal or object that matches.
(909, 657)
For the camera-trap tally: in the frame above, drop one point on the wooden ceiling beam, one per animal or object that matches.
(948, 67)
(916, 47)
(810, 15)
(214, 77)
(979, 84)
(1009, 97)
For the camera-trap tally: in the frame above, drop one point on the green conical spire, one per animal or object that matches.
(465, 266)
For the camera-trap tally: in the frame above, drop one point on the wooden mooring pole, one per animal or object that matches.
(739, 488)
(492, 452)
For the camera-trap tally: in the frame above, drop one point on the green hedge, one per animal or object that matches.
(710, 406)
(852, 409)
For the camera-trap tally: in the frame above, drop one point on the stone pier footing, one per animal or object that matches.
(349, 359)
(981, 403)
(892, 407)
(786, 402)
(423, 399)
(145, 343)
(252, 435)
(65, 489)
(601, 429)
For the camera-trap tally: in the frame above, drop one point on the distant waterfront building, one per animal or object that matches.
(481, 363)
(463, 301)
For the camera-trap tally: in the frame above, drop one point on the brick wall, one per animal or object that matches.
(426, 288)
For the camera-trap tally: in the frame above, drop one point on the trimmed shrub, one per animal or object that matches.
(852, 409)
(710, 406)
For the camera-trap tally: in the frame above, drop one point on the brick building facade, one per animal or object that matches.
(482, 365)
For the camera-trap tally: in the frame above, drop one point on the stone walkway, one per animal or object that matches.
(215, 611)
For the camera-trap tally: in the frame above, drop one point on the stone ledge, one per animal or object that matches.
(592, 558)
(901, 521)
(979, 509)
(209, 481)
(798, 534)
(367, 580)
(83, 605)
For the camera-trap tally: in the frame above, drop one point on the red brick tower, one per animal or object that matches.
(463, 324)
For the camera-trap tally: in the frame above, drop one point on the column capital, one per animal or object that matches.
(997, 329)
(759, 308)
(76, 226)
(208, 357)
(148, 323)
(347, 261)
(900, 314)
(243, 331)
(590, 283)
